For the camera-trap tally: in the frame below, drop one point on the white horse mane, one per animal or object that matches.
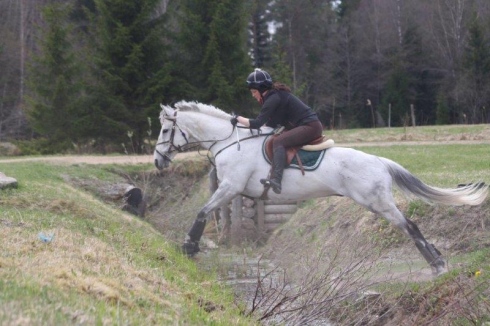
(202, 108)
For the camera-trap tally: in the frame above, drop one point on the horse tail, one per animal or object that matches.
(472, 194)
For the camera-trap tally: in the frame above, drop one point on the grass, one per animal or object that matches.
(107, 267)
(441, 165)
(102, 266)
(421, 133)
(447, 157)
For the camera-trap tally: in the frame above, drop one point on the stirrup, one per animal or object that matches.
(276, 187)
(265, 182)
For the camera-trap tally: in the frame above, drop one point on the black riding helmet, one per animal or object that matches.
(260, 80)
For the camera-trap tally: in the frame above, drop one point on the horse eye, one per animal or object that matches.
(164, 131)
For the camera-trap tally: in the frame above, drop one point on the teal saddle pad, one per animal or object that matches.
(310, 159)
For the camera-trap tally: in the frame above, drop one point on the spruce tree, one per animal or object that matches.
(55, 83)
(442, 110)
(477, 72)
(259, 36)
(408, 82)
(129, 73)
(396, 94)
(213, 57)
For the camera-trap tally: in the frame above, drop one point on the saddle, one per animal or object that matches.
(318, 144)
(315, 149)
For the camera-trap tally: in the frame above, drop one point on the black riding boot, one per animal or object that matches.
(279, 163)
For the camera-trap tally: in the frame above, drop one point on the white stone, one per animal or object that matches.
(7, 182)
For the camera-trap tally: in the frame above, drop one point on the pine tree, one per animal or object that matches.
(409, 83)
(53, 106)
(260, 44)
(214, 58)
(477, 72)
(397, 95)
(442, 110)
(129, 71)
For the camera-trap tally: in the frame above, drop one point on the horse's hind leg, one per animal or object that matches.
(380, 200)
(428, 251)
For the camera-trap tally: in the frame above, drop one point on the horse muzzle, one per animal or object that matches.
(162, 160)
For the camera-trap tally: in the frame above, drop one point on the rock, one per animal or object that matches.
(114, 191)
(7, 182)
(134, 202)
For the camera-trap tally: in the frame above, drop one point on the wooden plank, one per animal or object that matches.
(236, 213)
(260, 215)
(276, 218)
(284, 202)
(278, 209)
(270, 227)
(236, 205)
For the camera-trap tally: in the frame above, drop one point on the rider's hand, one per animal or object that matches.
(234, 120)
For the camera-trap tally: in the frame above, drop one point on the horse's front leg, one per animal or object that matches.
(225, 192)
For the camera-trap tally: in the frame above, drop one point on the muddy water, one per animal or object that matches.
(240, 270)
(253, 279)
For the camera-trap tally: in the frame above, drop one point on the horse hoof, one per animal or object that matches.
(439, 267)
(190, 248)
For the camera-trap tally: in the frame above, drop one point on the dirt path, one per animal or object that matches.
(95, 159)
(148, 159)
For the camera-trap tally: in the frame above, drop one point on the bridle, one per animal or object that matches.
(172, 148)
(188, 145)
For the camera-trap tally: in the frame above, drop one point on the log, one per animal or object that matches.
(260, 215)
(276, 218)
(278, 209)
(284, 202)
(270, 227)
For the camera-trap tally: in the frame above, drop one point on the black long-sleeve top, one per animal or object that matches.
(283, 108)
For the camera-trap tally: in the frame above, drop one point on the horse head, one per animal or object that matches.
(171, 138)
(189, 125)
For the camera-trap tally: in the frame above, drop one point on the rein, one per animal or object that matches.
(190, 145)
(237, 142)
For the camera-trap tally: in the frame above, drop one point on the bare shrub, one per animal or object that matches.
(333, 284)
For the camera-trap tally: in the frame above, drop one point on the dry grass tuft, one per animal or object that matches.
(81, 263)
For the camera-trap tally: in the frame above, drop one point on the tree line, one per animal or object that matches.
(91, 73)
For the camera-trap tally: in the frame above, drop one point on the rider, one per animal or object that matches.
(280, 108)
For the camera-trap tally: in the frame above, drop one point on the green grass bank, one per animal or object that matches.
(101, 267)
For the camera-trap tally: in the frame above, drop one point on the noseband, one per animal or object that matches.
(172, 147)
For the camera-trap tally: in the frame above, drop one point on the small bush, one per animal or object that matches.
(42, 146)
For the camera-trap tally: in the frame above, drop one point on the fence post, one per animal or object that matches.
(236, 211)
(412, 113)
(260, 215)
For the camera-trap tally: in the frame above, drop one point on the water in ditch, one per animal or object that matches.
(257, 283)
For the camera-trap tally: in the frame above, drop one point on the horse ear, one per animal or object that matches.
(167, 110)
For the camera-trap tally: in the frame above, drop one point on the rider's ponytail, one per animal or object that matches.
(281, 87)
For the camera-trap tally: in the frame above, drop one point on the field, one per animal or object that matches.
(103, 266)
